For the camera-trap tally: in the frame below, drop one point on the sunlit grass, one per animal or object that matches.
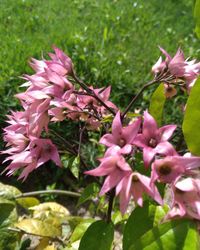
(111, 42)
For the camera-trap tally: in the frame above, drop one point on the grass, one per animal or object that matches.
(110, 42)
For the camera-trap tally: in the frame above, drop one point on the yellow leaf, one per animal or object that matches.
(27, 202)
(37, 227)
(44, 245)
(50, 207)
(50, 247)
(8, 192)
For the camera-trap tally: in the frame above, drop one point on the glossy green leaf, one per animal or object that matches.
(160, 212)
(197, 17)
(8, 216)
(173, 235)
(140, 221)
(80, 230)
(191, 122)
(99, 236)
(38, 227)
(89, 192)
(157, 103)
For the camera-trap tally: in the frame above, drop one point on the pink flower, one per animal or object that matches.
(121, 136)
(154, 140)
(60, 60)
(17, 141)
(17, 121)
(167, 170)
(135, 184)
(186, 199)
(175, 65)
(36, 154)
(89, 102)
(114, 166)
(38, 65)
(176, 69)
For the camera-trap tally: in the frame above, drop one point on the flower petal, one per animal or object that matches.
(105, 168)
(150, 189)
(165, 148)
(111, 181)
(117, 126)
(140, 141)
(150, 127)
(108, 140)
(130, 132)
(167, 131)
(148, 155)
(126, 149)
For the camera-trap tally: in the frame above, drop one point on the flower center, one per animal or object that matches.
(122, 142)
(165, 170)
(178, 191)
(152, 143)
(135, 178)
(169, 89)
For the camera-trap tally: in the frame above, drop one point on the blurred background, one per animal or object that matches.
(111, 42)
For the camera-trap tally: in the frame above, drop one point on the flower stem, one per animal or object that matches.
(137, 96)
(55, 191)
(110, 205)
(92, 93)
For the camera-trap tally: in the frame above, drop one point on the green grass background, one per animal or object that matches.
(110, 42)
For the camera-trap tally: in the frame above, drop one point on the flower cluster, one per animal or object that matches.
(54, 93)
(166, 165)
(176, 71)
(50, 97)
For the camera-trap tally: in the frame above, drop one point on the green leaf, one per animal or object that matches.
(66, 160)
(37, 227)
(80, 230)
(27, 202)
(157, 103)
(89, 192)
(74, 167)
(8, 216)
(140, 221)
(8, 192)
(197, 17)
(117, 217)
(99, 236)
(191, 124)
(173, 235)
(74, 221)
(132, 115)
(160, 212)
(107, 118)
